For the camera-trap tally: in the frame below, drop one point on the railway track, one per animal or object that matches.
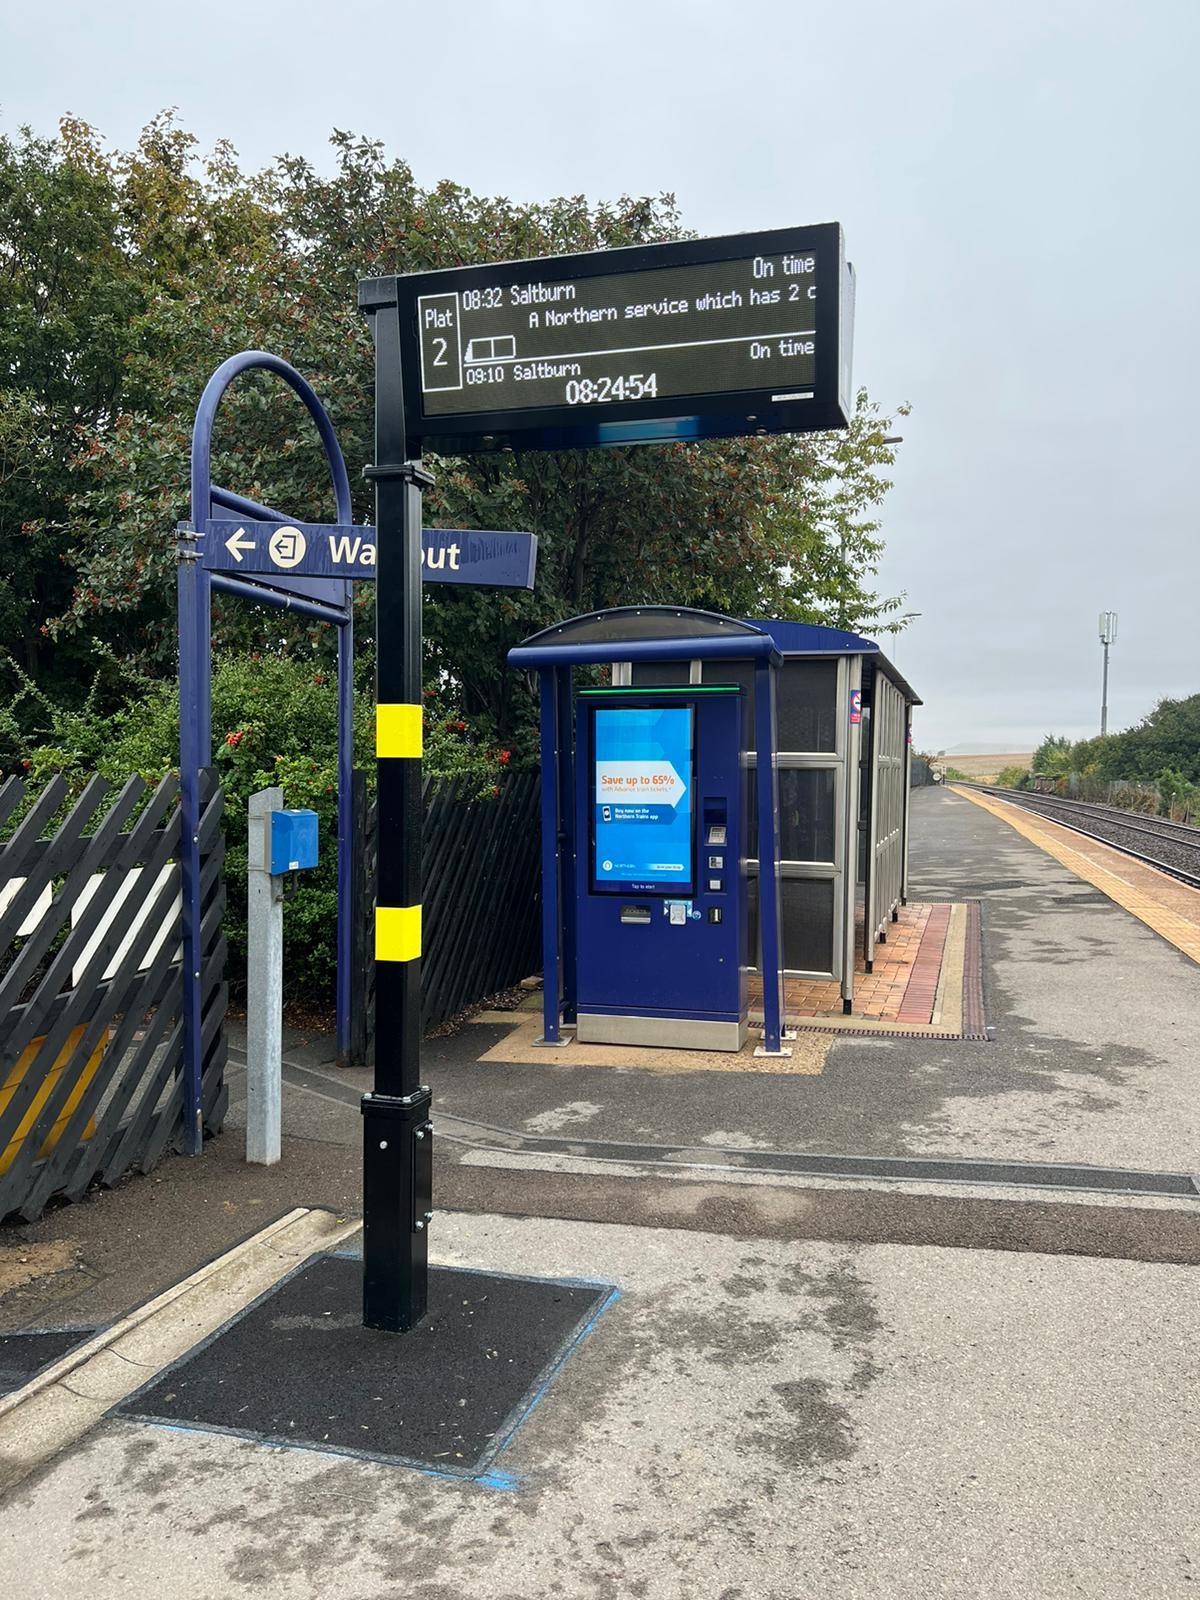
(1172, 847)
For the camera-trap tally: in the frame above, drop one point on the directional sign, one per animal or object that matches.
(745, 334)
(330, 550)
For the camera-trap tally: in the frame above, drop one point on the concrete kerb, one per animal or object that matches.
(68, 1399)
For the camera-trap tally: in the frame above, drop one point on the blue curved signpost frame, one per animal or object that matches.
(323, 600)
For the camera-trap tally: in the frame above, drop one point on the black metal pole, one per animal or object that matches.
(397, 1133)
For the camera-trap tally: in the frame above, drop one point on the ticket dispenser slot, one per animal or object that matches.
(659, 880)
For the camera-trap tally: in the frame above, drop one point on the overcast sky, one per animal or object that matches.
(1018, 186)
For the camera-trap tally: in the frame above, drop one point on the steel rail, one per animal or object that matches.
(1014, 797)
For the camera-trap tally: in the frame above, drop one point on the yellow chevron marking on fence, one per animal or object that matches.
(28, 1061)
(398, 732)
(1178, 930)
(397, 933)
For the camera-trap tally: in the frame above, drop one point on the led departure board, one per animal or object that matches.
(716, 337)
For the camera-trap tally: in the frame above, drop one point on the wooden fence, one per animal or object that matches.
(481, 927)
(91, 1033)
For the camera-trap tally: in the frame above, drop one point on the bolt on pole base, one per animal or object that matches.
(397, 1199)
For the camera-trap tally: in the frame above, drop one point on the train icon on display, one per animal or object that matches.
(503, 347)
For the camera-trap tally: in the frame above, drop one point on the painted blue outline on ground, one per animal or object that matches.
(482, 1473)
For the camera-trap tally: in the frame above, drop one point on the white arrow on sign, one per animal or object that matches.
(643, 782)
(237, 542)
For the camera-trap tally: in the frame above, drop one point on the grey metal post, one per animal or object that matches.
(1108, 633)
(264, 986)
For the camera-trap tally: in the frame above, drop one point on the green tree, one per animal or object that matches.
(1169, 738)
(1013, 777)
(1053, 755)
(67, 300)
(210, 260)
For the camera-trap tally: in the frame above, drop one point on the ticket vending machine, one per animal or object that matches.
(660, 876)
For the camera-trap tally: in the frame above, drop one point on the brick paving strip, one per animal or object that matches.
(923, 984)
(919, 984)
(1163, 903)
(921, 989)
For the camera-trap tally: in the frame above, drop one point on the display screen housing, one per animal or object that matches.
(748, 333)
(641, 796)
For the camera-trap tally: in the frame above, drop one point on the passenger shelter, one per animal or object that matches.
(832, 716)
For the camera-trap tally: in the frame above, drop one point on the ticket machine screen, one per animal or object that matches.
(642, 782)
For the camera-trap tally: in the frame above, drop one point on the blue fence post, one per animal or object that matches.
(195, 753)
(768, 857)
(345, 851)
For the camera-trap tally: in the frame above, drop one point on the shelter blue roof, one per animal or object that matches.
(808, 639)
(673, 633)
(643, 633)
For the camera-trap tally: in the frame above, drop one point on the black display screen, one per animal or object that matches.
(745, 334)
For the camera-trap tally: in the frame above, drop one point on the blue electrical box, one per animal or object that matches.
(661, 900)
(293, 841)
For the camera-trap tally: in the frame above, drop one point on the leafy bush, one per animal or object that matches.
(1177, 797)
(1013, 777)
(1053, 755)
(274, 723)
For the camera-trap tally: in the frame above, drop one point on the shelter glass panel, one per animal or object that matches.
(807, 707)
(807, 813)
(742, 674)
(807, 924)
(807, 909)
(659, 674)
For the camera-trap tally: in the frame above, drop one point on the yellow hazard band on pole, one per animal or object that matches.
(398, 732)
(397, 933)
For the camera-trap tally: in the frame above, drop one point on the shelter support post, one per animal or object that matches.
(551, 868)
(769, 911)
(870, 861)
(851, 821)
(907, 800)
(566, 839)
(397, 1132)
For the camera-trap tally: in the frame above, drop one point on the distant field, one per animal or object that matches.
(985, 766)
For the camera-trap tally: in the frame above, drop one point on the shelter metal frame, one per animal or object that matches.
(870, 754)
(629, 635)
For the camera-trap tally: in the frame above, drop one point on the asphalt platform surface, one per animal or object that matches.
(24, 1355)
(839, 1389)
(1096, 1030)
(751, 1420)
(1097, 1025)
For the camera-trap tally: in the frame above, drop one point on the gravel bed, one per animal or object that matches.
(1171, 845)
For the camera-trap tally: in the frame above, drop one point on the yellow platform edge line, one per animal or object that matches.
(1176, 930)
(397, 933)
(398, 732)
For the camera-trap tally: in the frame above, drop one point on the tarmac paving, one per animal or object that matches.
(768, 1419)
(809, 1386)
(1096, 1025)
(1096, 1031)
